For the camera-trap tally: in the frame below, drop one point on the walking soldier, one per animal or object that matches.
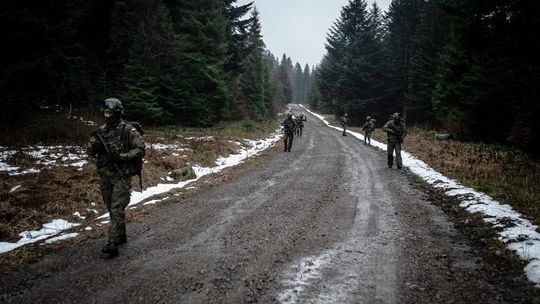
(114, 147)
(396, 132)
(368, 128)
(289, 126)
(344, 120)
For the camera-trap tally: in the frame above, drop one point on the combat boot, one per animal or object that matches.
(111, 249)
(122, 240)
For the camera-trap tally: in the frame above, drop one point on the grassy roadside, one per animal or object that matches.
(59, 191)
(504, 173)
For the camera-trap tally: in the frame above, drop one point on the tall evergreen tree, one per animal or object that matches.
(237, 35)
(254, 79)
(306, 84)
(198, 91)
(150, 59)
(401, 43)
(298, 86)
(431, 38)
(285, 71)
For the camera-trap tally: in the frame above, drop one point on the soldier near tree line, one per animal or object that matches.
(300, 124)
(114, 147)
(289, 126)
(344, 120)
(368, 128)
(396, 132)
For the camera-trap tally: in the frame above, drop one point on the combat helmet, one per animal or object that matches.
(113, 105)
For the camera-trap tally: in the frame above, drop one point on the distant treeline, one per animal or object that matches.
(170, 61)
(470, 66)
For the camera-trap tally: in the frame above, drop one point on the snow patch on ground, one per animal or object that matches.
(174, 147)
(45, 157)
(62, 237)
(308, 269)
(28, 237)
(250, 149)
(516, 232)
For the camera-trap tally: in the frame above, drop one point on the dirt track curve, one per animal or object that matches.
(326, 223)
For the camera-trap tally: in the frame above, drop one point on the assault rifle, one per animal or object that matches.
(109, 158)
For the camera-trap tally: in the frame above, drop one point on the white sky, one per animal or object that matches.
(298, 27)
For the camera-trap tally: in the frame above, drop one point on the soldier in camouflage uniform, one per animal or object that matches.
(368, 128)
(344, 120)
(112, 147)
(300, 124)
(395, 132)
(289, 126)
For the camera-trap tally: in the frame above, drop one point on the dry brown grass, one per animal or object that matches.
(506, 174)
(60, 191)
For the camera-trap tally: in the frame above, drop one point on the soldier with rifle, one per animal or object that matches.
(368, 128)
(289, 126)
(395, 132)
(300, 124)
(115, 147)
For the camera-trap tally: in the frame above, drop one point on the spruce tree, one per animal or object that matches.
(285, 71)
(197, 88)
(254, 79)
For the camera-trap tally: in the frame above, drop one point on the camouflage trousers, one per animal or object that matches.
(391, 147)
(116, 196)
(287, 141)
(367, 136)
(344, 130)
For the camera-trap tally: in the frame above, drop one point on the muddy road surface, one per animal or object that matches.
(325, 223)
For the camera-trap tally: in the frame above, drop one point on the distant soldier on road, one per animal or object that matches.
(113, 147)
(300, 124)
(289, 126)
(396, 132)
(344, 120)
(368, 128)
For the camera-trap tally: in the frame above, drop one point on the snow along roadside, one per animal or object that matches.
(253, 148)
(520, 235)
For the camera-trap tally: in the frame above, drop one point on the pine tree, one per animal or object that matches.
(298, 87)
(197, 88)
(150, 59)
(349, 77)
(285, 71)
(237, 35)
(274, 97)
(431, 38)
(306, 84)
(254, 79)
(402, 27)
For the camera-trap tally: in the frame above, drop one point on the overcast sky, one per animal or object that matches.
(298, 27)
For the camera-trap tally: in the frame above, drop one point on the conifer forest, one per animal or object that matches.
(470, 67)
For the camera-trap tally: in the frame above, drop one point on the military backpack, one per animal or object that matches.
(135, 165)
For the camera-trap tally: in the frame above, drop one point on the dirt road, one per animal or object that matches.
(325, 223)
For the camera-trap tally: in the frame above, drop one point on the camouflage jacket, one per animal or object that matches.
(369, 126)
(395, 131)
(344, 121)
(289, 125)
(122, 139)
